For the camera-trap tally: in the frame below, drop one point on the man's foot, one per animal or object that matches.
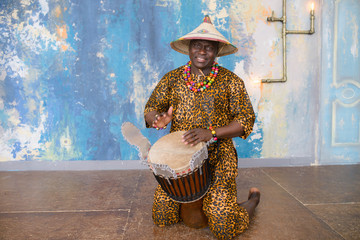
(254, 194)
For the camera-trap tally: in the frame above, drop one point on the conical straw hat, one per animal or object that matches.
(205, 31)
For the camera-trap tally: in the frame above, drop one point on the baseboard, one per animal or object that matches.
(275, 162)
(135, 164)
(72, 165)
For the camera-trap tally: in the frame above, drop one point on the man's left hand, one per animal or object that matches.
(197, 135)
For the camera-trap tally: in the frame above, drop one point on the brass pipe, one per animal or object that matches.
(284, 78)
(312, 28)
(272, 80)
(298, 32)
(284, 32)
(312, 20)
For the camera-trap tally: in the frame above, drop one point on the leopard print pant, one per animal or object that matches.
(226, 218)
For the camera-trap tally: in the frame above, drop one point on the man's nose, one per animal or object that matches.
(202, 50)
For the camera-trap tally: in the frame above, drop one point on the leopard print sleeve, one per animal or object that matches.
(240, 104)
(159, 99)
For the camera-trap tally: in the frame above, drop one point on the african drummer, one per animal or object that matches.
(208, 102)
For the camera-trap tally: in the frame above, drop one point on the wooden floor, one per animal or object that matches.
(297, 203)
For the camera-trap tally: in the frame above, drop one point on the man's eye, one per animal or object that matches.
(210, 49)
(197, 46)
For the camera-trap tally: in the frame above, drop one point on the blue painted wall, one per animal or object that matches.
(71, 72)
(340, 89)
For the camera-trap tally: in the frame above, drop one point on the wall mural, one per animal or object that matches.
(72, 72)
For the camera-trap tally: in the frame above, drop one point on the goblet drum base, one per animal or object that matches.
(193, 215)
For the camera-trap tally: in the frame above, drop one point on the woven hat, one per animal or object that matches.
(205, 31)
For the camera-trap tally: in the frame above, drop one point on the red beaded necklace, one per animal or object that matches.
(199, 87)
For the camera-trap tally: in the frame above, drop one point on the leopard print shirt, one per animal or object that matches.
(226, 100)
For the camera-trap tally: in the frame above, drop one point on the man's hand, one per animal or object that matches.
(197, 135)
(162, 119)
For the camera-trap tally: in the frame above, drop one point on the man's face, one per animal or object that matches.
(202, 53)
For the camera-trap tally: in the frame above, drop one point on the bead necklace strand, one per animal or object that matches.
(199, 87)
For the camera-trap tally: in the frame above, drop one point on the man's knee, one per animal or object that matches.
(225, 222)
(165, 211)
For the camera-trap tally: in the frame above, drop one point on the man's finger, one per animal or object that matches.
(170, 111)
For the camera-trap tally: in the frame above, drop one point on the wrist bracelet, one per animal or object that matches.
(157, 128)
(213, 133)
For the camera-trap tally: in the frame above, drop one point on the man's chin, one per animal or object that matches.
(201, 65)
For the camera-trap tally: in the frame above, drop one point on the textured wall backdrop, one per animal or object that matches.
(72, 71)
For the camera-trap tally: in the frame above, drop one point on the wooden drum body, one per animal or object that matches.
(188, 187)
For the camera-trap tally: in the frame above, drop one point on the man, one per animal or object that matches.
(208, 102)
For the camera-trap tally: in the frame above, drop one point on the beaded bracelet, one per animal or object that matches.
(213, 133)
(157, 128)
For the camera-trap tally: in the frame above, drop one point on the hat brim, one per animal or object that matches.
(182, 46)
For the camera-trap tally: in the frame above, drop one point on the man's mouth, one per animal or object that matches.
(200, 59)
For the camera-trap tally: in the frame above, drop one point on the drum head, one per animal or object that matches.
(171, 150)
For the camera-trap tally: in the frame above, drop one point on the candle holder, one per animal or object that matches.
(284, 33)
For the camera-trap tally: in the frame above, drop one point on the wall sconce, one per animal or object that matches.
(284, 33)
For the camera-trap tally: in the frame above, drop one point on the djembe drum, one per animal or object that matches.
(183, 172)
